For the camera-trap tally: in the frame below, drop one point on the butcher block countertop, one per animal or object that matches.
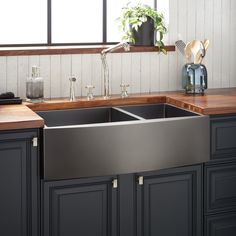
(214, 102)
(18, 117)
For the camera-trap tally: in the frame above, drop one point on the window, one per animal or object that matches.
(77, 21)
(63, 22)
(23, 22)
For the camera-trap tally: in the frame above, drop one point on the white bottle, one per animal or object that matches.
(34, 86)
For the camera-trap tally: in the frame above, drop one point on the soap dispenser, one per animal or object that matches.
(34, 86)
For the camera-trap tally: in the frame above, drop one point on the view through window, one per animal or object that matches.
(61, 22)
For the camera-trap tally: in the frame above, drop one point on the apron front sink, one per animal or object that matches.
(111, 141)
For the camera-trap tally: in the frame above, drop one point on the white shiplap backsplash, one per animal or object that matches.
(144, 72)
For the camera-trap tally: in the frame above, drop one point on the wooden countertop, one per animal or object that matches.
(214, 102)
(18, 117)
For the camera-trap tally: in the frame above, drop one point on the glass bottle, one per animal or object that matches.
(34, 86)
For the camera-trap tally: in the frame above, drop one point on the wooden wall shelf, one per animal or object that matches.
(27, 51)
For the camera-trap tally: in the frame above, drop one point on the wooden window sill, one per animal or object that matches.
(26, 51)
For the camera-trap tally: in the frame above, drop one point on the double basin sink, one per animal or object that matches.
(119, 140)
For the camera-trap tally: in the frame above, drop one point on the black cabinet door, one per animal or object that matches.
(85, 207)
(220, 187)
(19, 178)
(169, 203)
(223, 137)
(221, 225)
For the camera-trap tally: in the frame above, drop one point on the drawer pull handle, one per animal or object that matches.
(115, 183)
(140, 180)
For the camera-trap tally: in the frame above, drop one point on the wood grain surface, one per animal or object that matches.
(18, 117)
(55, 50)
(215, 101)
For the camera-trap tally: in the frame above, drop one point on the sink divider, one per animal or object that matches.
(128, 113)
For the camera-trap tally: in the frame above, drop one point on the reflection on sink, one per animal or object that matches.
(155, 111)
(84, 116)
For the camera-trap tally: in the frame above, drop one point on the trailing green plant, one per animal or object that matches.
(134, 16)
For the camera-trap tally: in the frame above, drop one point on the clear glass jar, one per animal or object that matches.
(35, 86)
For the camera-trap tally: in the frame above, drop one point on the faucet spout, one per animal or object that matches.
(104, 52)
(124, 45)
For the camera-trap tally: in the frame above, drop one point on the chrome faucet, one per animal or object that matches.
(104, 52)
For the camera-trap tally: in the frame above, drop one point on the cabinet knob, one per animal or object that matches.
(140, 180)
(115, 183)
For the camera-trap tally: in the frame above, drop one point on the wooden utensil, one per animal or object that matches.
(201, 54)
(206, 43)
(192, 49)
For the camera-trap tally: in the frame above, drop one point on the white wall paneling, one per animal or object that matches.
(97, 74)
(232, 56)
(145, 66)
(115, 72)
(126, 68)
(55, 76)
(225, 44)
(154, 72)
(3, 74)
(135, 85)
(76, 69)
(208, 33)
(66, 70)
(23, 73)
(86, 76)
(12, 71)
(145, 72)
(164, 72)
(45, 65)
(216, 43)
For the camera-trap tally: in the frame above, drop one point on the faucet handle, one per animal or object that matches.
(72, 88)
(124, 92)
(90, 92)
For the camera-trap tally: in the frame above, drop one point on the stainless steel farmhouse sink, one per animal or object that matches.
(119, 140)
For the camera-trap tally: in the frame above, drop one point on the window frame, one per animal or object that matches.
(49, 31)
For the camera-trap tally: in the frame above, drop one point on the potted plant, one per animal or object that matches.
(141, 24)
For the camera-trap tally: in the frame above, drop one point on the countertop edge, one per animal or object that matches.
(13, 117)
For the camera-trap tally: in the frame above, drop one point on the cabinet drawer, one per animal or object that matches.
(220, 186)
(221, 225)
(223, 137)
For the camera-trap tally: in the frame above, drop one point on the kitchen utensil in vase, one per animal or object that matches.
(180, 44)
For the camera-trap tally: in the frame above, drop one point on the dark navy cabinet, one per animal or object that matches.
(164, 203)
(83, 207)
(170, 203)
(19, 183)
(223, 137)
(221, 225)
(220, 187)
(220, 179)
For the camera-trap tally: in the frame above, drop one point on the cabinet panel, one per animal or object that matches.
(171, 204)
(220, 191)
(13, 189)
(78, 207)
(223, 137)
(221, 225)
(19, 178)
